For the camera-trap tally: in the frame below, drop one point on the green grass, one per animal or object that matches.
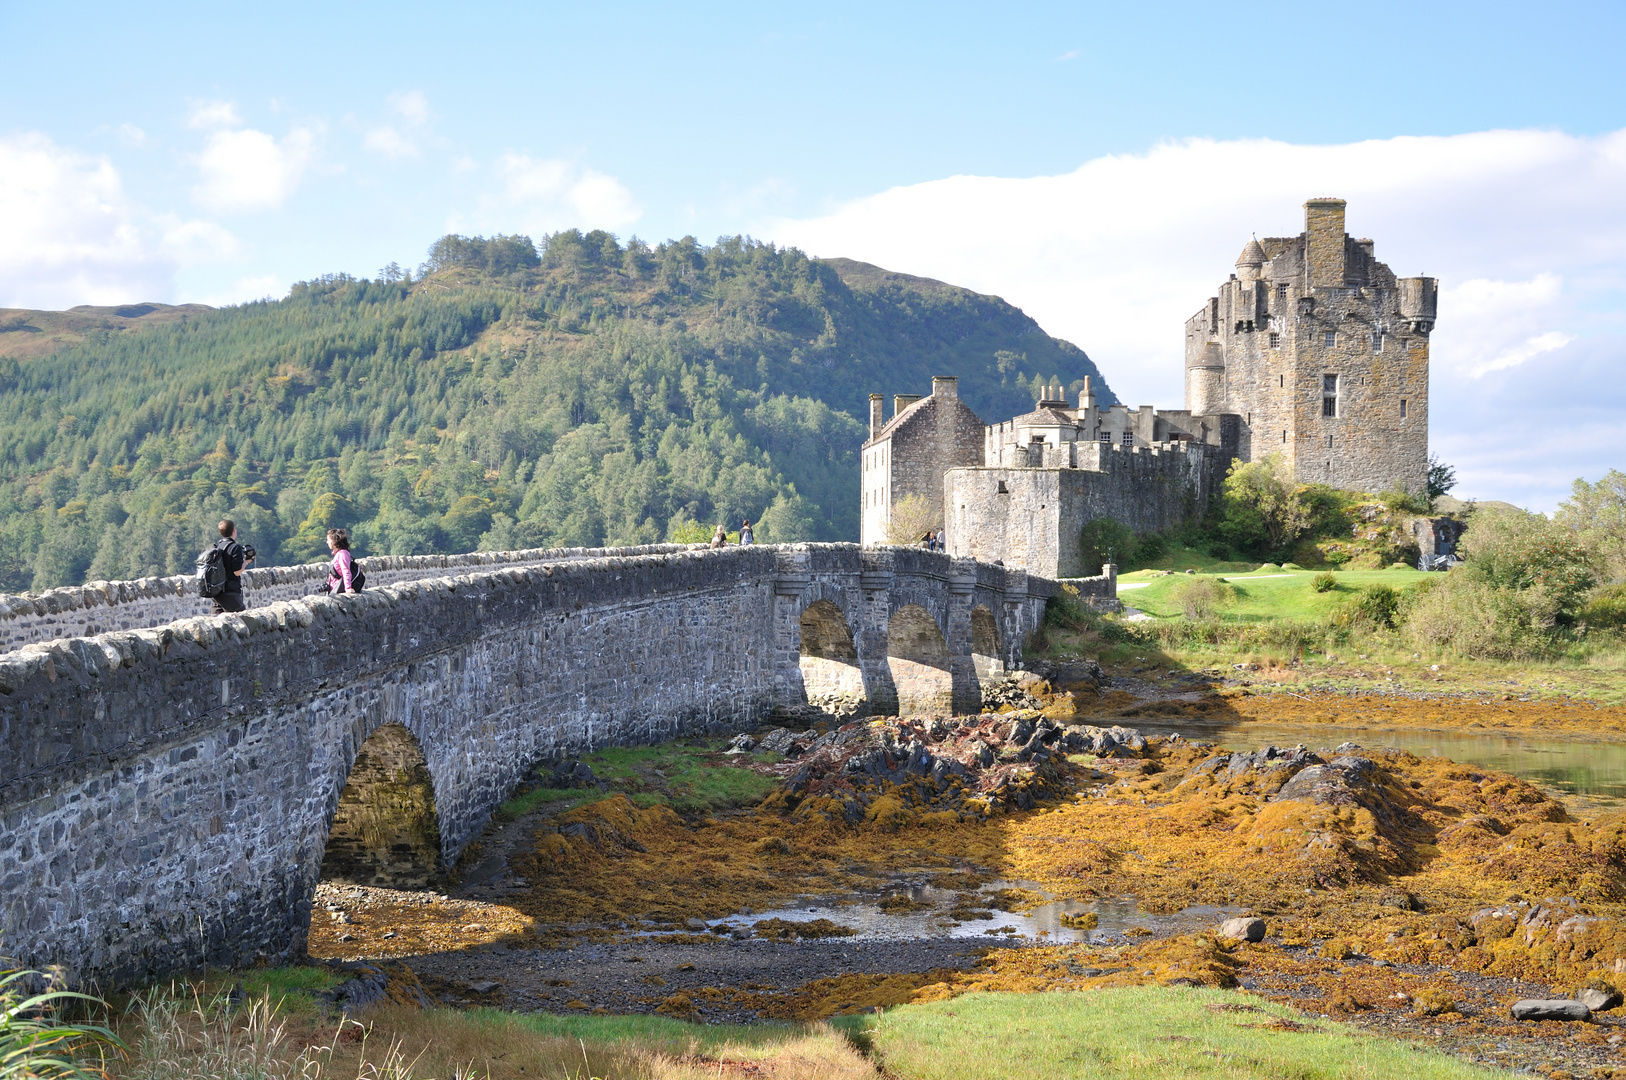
(691, 776)
(658, 1033)
(1138, 1034)
(1184, 558)
(1263, 595)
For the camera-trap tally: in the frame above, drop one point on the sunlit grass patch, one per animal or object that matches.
(1138, 1033)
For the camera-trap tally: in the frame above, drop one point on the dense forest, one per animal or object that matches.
(588, 392)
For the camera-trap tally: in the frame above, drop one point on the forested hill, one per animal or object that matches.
(588, 393)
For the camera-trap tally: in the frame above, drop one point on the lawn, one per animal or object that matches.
(1144, 1033)
(1262, 593)
(692, 777)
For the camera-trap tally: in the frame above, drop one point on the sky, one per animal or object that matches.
(1098, 165)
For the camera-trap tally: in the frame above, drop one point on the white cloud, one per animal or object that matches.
(244, 169)
(400, 139)
(70, 235)
(548, 194)
(213, 114)
(411, 106)
(390, 142)
(131, 135)
(1525, 230)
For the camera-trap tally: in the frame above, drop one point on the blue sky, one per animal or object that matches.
(1124, 151)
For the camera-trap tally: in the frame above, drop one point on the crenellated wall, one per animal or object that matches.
(167, 793)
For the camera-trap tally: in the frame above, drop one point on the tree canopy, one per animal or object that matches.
(582, 392)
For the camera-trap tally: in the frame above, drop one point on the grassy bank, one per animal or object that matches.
(1137, 1034)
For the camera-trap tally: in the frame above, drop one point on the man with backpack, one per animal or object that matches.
(220, 570)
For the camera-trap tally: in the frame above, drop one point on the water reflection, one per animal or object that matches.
(1117, 918)
(1577, 768)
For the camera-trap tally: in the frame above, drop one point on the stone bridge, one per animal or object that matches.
(171, 783)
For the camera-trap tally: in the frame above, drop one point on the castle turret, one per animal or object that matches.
(1419, 301)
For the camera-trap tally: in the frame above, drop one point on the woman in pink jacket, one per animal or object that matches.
(342, 577)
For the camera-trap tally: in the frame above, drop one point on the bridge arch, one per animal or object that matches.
(829, 654)
(917, 655)
(385, 830)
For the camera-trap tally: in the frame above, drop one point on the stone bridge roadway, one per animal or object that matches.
(167, 794)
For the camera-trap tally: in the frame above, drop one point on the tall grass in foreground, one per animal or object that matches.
(34, 1041)
(191, 1035)
(1144, 1033)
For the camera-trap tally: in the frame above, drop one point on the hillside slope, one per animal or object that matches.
(595, 393)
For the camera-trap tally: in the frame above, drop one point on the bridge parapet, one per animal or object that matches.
(102, 606)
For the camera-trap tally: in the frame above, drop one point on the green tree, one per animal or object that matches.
(1262, 510)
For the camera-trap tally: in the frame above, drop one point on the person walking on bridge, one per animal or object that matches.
(343, 577)
(234, 559)
(719, 538)
(746, 537)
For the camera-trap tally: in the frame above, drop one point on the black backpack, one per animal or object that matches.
(212, 572)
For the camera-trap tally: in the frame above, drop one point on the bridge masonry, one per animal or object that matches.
(166, 793)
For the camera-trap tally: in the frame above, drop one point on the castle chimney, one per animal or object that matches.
(1324, 242)
(901, 402)
(945, 386)
(876, 421)
(1086, 396)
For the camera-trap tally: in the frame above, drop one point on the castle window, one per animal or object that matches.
(1377, 341)
(1332, 338)
(1275, 340)
(1281, 292)
(1129, 438)
(1281, 380)
(1329, 442)
(1284, 435)
(1003, 490)
(1402, 408)
(1106, 436)
(1329, 395)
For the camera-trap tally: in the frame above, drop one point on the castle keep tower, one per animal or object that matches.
(1323, 354)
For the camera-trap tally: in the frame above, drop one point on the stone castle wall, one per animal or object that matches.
(104, 606)
(1034, 517)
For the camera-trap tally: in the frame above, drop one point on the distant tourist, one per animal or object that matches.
(344, 576)
(937, 539)
(220, 571)
(719, 538)
(926, 541)
(745, 534)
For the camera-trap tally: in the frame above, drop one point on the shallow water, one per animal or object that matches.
(1595, 769)
(1117, 917)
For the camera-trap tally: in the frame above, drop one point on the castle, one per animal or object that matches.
(1313, 350)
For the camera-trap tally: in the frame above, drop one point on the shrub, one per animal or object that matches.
(1326, 581)
(1524, 552)
(1606, 609)
(1378, 606)
(1201, 598)
(1472, 618)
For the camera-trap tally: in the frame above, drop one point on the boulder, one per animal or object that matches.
(1598, 999)
(1246, 929)
(1550, 1009)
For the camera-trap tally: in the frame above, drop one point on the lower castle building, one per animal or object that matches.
(1313, 350)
